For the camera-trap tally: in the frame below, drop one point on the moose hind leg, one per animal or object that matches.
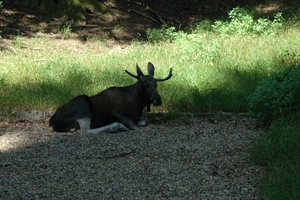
(84, 124)
(73, 115)
(142, 122)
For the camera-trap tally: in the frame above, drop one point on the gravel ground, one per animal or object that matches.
(198, 159)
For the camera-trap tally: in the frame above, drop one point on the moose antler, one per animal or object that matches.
(163, 79)
(167, 78)
(139, 73)
(130, 74)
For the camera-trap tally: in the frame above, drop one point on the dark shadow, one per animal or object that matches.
(127, 26)
(49, 93)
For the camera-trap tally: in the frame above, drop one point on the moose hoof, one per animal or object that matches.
(117, 127)
(142, 122)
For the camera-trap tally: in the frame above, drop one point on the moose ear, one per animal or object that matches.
(150, 69)
(139, 71)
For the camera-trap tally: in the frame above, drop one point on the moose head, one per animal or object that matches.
(149, 83)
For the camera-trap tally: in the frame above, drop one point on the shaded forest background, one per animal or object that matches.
(119, 19)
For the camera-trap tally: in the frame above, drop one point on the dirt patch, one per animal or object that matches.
(131, 21)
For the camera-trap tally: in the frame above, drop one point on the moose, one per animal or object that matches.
(112, 110)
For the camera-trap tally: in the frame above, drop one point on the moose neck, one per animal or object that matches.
(137, 97)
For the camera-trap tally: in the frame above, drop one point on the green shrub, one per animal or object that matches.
(192, 45)
(204, 25)
(163, 34)
(277, 95)
(243, 23)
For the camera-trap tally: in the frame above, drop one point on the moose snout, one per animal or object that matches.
(156, 101)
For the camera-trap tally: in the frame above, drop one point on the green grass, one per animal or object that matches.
(42, 73)
(279, 151)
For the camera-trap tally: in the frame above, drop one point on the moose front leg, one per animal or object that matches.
(128, 122)
(84, 124)
(110, 128)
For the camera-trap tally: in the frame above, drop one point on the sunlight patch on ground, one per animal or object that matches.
(12, 140)
(20, 134)
(269, 8)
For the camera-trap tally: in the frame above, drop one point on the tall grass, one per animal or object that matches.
(41, 73)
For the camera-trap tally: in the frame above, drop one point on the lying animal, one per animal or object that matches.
(112, 110)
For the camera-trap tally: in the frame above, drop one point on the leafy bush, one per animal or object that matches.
(243, 23)
(156, 35)
(277, 95)
(204, 25)
(192, 45)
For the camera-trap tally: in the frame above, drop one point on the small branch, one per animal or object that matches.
(120, 155)
(9, 21)
(138, 3)
(131, 10)
(147, 8)
(14, 4)
(157, 15)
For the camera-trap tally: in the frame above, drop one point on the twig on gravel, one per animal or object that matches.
(120, 155)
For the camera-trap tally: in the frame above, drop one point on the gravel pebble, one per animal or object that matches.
(198, 159)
